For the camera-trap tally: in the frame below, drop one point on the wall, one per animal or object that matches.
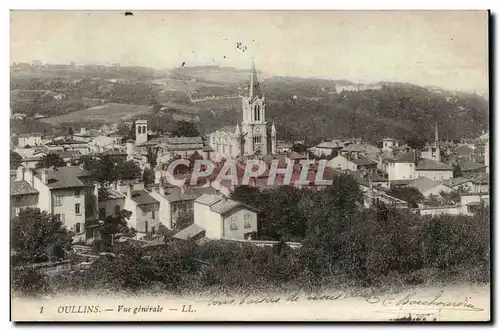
(435, 175)
(44, 196)
(208, 220)
(131, 206)
(144, 213)
(450, 210)
(22, 201)
(399, 171)
(109, 206)
(239, 217)
(164, 211)
(67, 207)
(340, 162)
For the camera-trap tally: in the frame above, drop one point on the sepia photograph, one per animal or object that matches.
(250, 165)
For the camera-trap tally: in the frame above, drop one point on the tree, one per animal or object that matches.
(15, 160)
(185, 129)
(184, 220)
(116, 224)
(148, 176)
(127, 170)
(409, 194)
(37, 236)
(50, 160)
(299, 148)
(152, 154)
(70, 131)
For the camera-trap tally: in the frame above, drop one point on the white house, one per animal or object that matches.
(434, 170)
(224, 218)
(401, 167)
(30, 140)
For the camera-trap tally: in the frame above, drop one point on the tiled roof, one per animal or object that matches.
(464, 150)
(189, 232)
(404, 158)
(426, 164)
(208, 148)
(174, 194)
(64, 177)
(224, 206)
(468, 166)
(209, 199)
(456, 181)
(142, 197)
(327, 144)
(423, 184)
(21, 187)
(107, 193)
(360, 148)
(66, 142)
(183, 140)
(181, 147)
(67, 154)
(296, 156)
(363, 161)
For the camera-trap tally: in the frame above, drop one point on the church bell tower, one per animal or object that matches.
(254, 118)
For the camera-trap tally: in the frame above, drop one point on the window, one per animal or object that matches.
(117, 210)
(77, 228)
(257, 139)
(77, 192)
(233, 225)
(153, 214)
(102, 213)
(146, 226)
(247, 221)
(57, 200)
(77, 208)
(153, 230)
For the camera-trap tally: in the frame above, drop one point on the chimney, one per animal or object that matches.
(45, 176)
(20, 173)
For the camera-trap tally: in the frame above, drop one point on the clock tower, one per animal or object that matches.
(254, 125)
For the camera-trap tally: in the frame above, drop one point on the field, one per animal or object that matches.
(107, 113)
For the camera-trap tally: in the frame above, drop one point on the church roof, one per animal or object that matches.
(229, 128)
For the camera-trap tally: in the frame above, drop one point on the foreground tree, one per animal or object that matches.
(37, 236)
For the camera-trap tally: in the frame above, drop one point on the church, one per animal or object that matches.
(252, 136)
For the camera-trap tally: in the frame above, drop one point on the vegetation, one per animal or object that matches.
(39, 237)
(106, 170)
(15, 160)
(50, 160)
(408, 194)
(185, 129)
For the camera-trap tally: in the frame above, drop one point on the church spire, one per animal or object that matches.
(436, 136)
(254, 90)
(273, 129)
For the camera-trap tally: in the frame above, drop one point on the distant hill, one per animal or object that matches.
(217, 74)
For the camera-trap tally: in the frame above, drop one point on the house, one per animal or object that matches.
(434, 170)
(429, 187)
(22, 193)
(85, 135)
(326, 148)
(31, 162)
(401, 167)
(68, 156)
(368, 179)
(68, 144)
(144, 208)
(283, 147)
(460, 183)
(471, 168)
(353, 164)
(464, 152)
(472, 201)
(224, 218)
(30, 140)
(388, 144)
(67, 193)
(193, 231)
(363, 149)
(480, 183)
(111, 202)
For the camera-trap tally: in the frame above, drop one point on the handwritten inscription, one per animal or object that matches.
(397, 300)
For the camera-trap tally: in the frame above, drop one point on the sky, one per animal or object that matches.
(448, 49)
